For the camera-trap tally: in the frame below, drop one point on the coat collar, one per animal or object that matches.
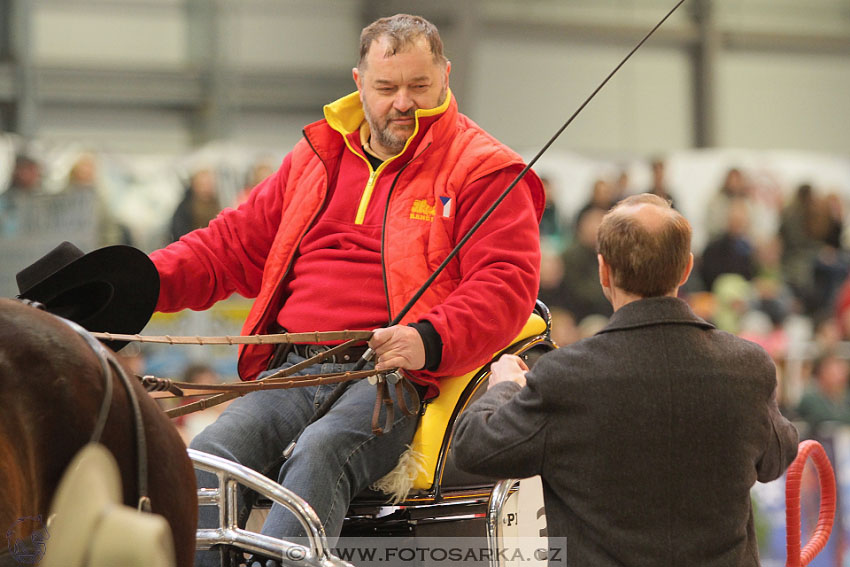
(345, 117)
(654, 311)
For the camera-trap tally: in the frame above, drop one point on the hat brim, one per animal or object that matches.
(90, 484)
(91, 526)
(113, 289)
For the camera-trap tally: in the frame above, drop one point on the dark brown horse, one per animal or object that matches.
(51, 389)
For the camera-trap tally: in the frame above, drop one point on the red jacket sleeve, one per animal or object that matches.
(227, 256)
(500, 270)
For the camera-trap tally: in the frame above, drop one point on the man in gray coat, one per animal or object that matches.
(649, 435)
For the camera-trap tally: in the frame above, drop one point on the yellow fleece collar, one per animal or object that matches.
(345, 115)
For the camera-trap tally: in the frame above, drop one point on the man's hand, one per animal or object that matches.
(509, 368)
(398, 346)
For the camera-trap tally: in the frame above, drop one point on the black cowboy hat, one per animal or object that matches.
(112, 289)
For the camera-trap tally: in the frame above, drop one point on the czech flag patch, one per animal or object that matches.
(447, 206)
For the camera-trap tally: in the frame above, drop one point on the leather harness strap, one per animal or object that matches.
(156, 384)
(231, 391)
(382, 397)
(107, 362)
(282, 379)
(400, 386)
(181, 389)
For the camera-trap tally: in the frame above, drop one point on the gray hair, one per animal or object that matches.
(401, 31)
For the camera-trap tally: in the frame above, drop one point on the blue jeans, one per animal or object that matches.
(335, 458)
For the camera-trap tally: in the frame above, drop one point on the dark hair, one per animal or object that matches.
(401, 31)
(645, 261)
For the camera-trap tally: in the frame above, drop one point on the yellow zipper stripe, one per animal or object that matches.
(366, 197)
(370, 184)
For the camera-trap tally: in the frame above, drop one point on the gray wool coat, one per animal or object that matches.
(648, 437)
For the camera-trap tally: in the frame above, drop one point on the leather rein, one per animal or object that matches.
(164, 388)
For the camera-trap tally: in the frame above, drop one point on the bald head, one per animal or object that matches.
(650, 216)
(646, 244)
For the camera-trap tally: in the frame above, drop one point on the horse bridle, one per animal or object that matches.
(110, 367)
(107, 362)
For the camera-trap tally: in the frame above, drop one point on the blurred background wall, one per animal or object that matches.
(169, 75)
(158, 81)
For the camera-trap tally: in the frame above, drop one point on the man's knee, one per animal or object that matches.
(322, 445)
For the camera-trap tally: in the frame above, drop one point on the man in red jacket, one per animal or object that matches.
(358, 216)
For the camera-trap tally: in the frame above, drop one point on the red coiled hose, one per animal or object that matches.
(826, 514)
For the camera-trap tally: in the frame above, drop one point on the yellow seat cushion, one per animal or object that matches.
(435, 421)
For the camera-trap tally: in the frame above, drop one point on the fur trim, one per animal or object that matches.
(397, 483)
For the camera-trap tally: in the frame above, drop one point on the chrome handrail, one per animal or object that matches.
(315, 554)
(501, 493)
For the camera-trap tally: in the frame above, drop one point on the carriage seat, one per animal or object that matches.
(428, 455)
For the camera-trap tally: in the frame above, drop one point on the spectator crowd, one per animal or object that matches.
(773, 269)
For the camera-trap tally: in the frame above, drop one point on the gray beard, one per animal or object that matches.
(387, 140)
(383, 135)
